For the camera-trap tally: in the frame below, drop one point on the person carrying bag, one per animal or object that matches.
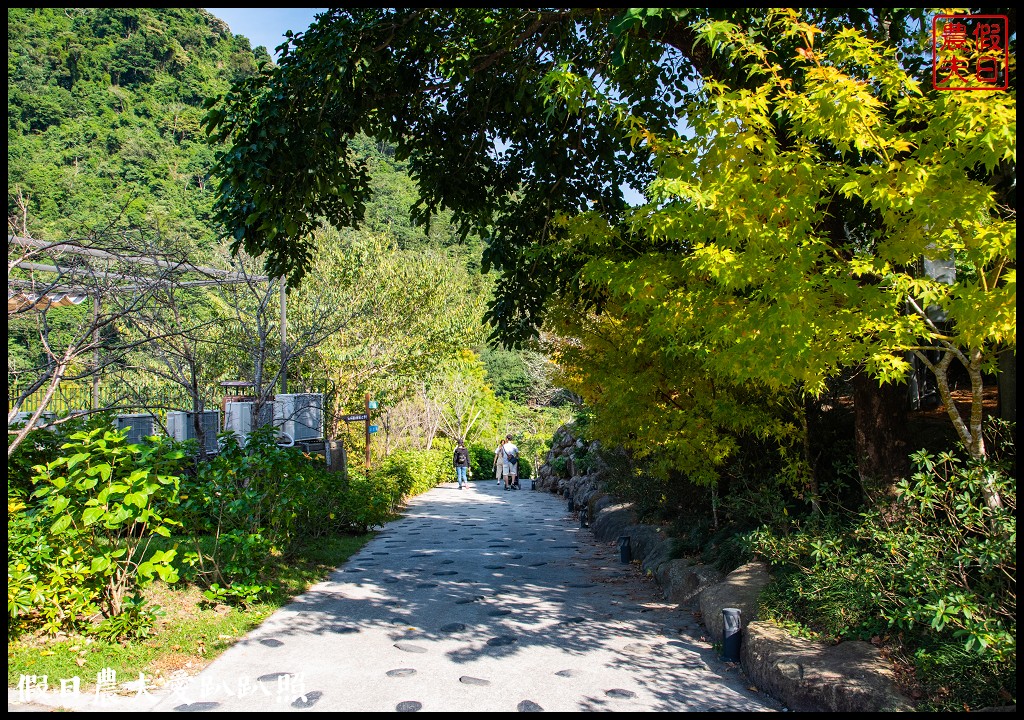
(461, 461)
(510, 463)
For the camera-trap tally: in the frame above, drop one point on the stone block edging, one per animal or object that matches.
(805, 675)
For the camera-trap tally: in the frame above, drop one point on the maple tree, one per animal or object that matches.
(786, 230)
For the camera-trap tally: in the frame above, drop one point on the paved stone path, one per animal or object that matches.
(476, 600)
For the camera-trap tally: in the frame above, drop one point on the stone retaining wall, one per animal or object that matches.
(805, 675)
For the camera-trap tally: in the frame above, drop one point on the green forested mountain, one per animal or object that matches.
(103, 117)
(104, 109)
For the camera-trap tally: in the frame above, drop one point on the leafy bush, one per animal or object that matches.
(481, 461)
(628, 481)
(41, 446)
(690, 535)
(134, 622)
(371, 501)
(248, 504)
(82, 544)
(953, 678)
(45, 579)
(254, 502)
(937, 565)
(829, 603)
(426, 468)
(727, 550)
(560, 467)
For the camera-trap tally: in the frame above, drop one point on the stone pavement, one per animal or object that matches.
(475, 600)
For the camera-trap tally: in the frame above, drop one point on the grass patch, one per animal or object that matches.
(187, 637)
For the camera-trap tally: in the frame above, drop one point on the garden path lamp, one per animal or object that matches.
(733, 633)
(625, 549)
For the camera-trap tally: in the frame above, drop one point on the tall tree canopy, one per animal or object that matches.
(105, 144)
(797, 174)
(461, 92)
(103, 118)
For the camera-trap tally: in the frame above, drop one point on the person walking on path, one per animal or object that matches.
(510, 463)
(461, 461)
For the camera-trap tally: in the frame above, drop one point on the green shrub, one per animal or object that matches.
(727, 549)
(44, 576)
(135, 621)
(43, 445)
(560, 467)
(831, 603)
(481, 462)
(690, 536)
(82, 544)
(525, 468)
(371, 501)
(425, 468)
(628, 481)
(938, 559)
(936, 565)
(253, 502)
(953, 678)
(396, 474)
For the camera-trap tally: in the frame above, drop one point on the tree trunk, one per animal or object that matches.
(880, 430)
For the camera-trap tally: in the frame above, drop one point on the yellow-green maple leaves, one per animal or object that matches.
(787, 229)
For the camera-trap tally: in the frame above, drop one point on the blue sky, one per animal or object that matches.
(266, 26)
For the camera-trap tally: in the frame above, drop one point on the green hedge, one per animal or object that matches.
(481, 460)
(420, 470)
(525, 468)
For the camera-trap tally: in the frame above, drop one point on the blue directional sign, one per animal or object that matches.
(372, 404)
(373, 428)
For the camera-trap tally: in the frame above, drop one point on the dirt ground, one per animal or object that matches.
(934, 428)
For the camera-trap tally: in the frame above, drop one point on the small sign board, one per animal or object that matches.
(355, 418)
(372, 404)
(373, 428)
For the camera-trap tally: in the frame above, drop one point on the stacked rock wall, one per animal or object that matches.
(806, 675)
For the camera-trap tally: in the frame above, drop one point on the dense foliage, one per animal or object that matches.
(784, 154)
(81, 542)
(104, 108)
(388, 306)
(87, 540)
(799, 177)
(937, 566)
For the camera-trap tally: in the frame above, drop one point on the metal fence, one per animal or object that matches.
(70, 397)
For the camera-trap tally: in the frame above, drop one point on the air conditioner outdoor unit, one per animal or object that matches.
(300, 415)
(239, 418)
(140, 426)
(180, 426)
